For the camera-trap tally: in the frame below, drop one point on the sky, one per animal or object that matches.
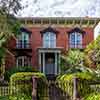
(60, 8)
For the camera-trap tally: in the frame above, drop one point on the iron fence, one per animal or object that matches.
(51, 89)
(84, 87)
(4, 90)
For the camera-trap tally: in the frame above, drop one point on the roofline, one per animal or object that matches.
(60, 18)
(62, 21)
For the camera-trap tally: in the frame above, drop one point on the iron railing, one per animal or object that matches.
(4, 90)
(77, 46)
(52, 90)
(23, 45)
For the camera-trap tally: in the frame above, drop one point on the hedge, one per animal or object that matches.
(66, 83)
(93, 96)
(15, 69)
(22, 83)
(20, 97)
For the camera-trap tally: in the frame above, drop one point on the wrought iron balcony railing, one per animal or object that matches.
(23, 45)
(77, 46)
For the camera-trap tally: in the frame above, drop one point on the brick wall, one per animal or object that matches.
(36, 41)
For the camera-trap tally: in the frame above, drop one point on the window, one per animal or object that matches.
(49, 40)
(23, 61)
(75, 40)
(23, 40)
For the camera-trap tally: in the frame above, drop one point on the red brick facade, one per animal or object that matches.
(36, 41)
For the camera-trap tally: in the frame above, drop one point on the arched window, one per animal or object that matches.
(75, 40)
(49, 40)
(23, 40)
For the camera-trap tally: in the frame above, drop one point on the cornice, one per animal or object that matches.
(59, 21)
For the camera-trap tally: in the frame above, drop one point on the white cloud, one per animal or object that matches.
(45, 8)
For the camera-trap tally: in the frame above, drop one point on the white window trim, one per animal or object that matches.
(23, 61)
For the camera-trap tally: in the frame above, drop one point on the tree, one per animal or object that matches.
(9, 25)
(72, 60)
(92, 53)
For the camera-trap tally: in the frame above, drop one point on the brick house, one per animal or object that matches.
(43, 40)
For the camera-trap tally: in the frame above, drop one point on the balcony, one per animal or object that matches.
(77, 46)
(23, 45)
(23, 48)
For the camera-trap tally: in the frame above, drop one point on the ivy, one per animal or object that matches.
(18, 84)
(92, 96)
(66, 82)
(92, 54)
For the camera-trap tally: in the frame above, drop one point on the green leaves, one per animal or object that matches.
(20, 97)
(93, 96)
(19, 85)
(74, 58)
(9, 25)
(66, 82)
(2, 52)
(92, 53)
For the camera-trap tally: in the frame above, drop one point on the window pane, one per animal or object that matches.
(75, 40)
(23, 40)
(46, 36)
(19, 61)
(23, 61)
(49, 40)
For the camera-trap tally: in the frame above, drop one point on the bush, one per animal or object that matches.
(72, 59)
(92, 54)
(20, 97)
(93, 96)
(66, 83)
(13, 70)
(22, 83)
(3, 97)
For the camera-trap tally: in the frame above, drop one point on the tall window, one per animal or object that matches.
(23, 40)
(23, 61)
(49, 40)
(75, 40)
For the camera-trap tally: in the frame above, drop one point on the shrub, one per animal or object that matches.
(3, 97)
(66, 83)
(93, 96)
(13, 70)
(72, 59)
(20, 97)
(92, 54)
(22, 83)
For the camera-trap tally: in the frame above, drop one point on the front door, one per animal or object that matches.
(50, 64)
